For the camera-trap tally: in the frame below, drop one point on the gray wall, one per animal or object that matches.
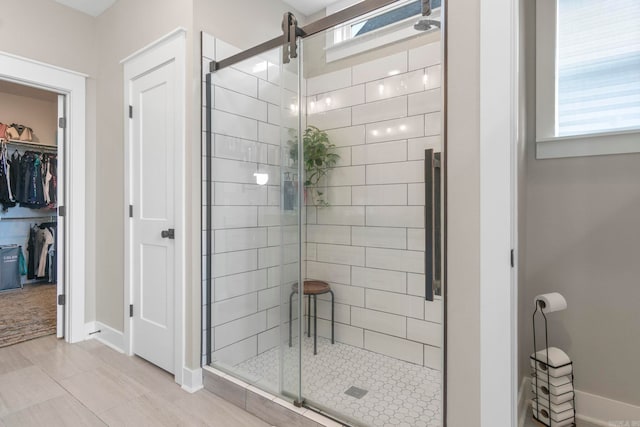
(463, 220)
(121, 30)
(583, 240)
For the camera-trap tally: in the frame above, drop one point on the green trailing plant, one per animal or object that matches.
(319, 159)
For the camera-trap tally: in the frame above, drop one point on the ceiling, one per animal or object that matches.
(309, 7)
(96, 7)
(90, 7)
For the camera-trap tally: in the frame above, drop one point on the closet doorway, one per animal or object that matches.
(67, 133)
(32, 134)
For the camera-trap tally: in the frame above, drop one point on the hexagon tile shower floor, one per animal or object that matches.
(398, 393)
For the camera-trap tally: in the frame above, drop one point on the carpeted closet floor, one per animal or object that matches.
(27, 313)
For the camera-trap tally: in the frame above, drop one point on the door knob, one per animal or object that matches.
(168, 234)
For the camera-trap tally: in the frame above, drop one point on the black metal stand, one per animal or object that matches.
(545, 366)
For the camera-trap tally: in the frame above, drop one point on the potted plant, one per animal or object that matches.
(319, 159)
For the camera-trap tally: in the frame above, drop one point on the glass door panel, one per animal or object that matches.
(374, 217)
(252, 113)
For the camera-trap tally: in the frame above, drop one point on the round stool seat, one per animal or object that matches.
(314, 287)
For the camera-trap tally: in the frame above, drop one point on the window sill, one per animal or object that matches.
(588, 145)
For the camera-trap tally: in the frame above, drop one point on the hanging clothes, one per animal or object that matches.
(42, 262)
(33, 191)
(43, 240)
(15, 173)
(6, 196)
(29, 179)
(53, 186)
(22, 263)
(31, 251)
(53, 253)
(50, 162)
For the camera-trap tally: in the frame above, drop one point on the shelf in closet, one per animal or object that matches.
(34, 145)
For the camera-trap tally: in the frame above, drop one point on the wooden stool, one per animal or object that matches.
(312, 288)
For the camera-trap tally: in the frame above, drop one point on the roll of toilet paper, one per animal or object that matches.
(552, 302)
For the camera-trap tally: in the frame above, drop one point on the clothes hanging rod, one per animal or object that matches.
(33, 145)
(30, 218)
(315, 27)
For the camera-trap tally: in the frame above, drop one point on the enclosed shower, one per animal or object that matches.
(324, 213)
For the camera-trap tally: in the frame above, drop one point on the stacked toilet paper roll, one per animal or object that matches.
(552, 387)
(552, 375)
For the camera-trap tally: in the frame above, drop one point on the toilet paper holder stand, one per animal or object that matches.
(540, 306)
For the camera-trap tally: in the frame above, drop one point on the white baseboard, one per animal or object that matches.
(591, 408)
(107, 335)
(192, 379)
(605, 412)
(524, 394)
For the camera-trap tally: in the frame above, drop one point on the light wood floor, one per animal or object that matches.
(47, 382)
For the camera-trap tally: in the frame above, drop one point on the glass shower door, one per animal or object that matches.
(254, 216)
(330, 168)
(373, 98)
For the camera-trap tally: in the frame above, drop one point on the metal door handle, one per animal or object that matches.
(432, 224)
(168, 234)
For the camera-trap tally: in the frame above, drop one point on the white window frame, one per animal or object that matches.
(549, 146)
(389, 34)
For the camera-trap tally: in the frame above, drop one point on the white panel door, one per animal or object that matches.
(153, 180)
(60, 237)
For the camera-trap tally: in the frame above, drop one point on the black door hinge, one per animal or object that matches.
(62, 123)
(513, 258)
(130, 310)
(130, 211)
(61, 299)
(131, 111)
(61, 211)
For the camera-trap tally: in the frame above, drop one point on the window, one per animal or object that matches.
(385, 25)
(588, 77)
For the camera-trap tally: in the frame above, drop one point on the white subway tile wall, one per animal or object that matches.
(247, 227)
(371, 250)
(368, 243)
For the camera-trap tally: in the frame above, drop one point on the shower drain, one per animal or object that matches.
(356, 392)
